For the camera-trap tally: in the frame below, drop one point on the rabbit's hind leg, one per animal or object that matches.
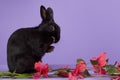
(25, 64)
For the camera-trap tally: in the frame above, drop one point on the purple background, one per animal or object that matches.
(88, 27)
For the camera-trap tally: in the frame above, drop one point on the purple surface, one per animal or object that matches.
(88, 27)
(63, 79)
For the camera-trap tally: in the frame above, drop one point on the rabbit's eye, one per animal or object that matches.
(52, 27)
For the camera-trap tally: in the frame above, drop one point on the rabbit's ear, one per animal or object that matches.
(43, 12)
(50, 13)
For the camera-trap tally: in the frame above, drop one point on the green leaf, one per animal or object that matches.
(107, 60)
(111, 69)
(14, 75)
(23, 76)
(86, 73)
(94, 62)
(63, 71)
(78, 60)
(6, 74)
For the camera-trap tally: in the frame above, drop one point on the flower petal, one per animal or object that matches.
(38, 66)
(72, 77)
(36, 75)
(102, 59)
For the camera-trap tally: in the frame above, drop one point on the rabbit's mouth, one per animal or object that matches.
(53, 39)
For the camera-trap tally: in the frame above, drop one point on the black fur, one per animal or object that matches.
(28, 45)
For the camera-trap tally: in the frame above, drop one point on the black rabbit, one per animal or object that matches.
(28, 45)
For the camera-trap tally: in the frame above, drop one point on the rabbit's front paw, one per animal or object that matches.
(50, 49)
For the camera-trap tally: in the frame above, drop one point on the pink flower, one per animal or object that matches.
(45, 70)
(72, 77)
(99, 62)
(36, 75)
(118, 66)
(38, 66)
(81, 66)
(117, 78)
(96, 68)
(42, 70)
(102, 59)
(75, 72)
